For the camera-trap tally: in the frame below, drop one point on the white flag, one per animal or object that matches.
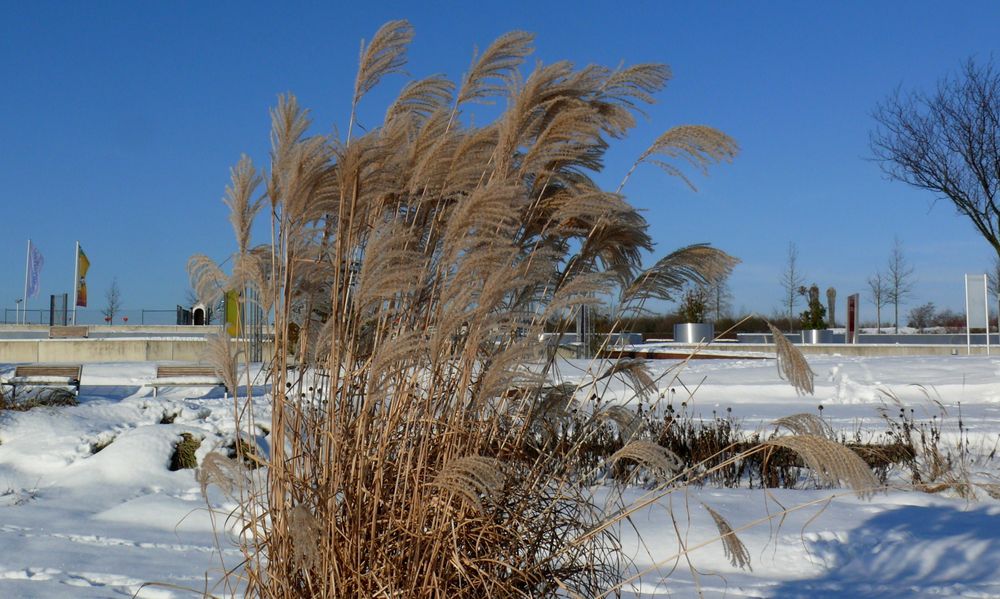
(35, 263)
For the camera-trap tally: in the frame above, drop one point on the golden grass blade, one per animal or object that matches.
(635, 371)
(697, 145)
(239, 198)
(223, 472)
(385, 54)
(207, 279)
(637, 83)
(306, 533)
(494, 71)
(792, 365)
(422, 98)
(650, 455)
(733, 547)
(473, 478)
(698, 264)
(805, 424)
(629, 423)
(832, 462)
(220, 353)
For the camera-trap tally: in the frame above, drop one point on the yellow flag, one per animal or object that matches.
(82, 264)
(232, 308)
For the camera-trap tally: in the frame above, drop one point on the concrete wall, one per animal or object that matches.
(84, 351)
(884, 339)
(870, 349)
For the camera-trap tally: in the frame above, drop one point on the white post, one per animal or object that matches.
(27, 263)
(986, 309)
(76, 278)
(968, 332)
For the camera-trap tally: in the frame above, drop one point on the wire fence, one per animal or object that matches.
(140, 316)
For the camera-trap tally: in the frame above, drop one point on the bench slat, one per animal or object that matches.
(185, 376)
(168, 371)
(43, 371)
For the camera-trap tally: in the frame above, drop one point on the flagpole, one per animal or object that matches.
(27, 262)
(76, 278)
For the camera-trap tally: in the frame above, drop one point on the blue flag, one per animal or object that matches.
(35, 263)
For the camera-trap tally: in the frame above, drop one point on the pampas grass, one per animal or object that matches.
(417, 446)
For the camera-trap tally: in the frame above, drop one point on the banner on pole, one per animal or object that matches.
(35, 263)
(82, 264)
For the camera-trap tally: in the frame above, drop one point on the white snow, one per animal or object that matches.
(75, 523)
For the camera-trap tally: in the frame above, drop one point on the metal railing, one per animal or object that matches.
(140, 316)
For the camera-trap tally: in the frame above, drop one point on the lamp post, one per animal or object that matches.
(17, 311)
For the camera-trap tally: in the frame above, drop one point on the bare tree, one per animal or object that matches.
(993, 278)
(792, 281)
(921, 317)
(113, 297)
(899, 277)
(720, 298)
(948, 142)
(879, 295)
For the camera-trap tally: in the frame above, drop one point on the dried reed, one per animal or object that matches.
(412, 268)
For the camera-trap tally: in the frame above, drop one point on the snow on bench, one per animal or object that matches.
(45, 375)
(185, 376)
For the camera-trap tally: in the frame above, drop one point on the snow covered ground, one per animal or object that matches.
(89, 508)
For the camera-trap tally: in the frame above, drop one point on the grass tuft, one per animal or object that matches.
(184, 456)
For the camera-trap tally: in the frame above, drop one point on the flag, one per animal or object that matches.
(232, 310)
(35, 263)
(82, 264)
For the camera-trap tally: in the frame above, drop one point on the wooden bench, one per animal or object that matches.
(185, 376)
(71, 332)
(45, 375)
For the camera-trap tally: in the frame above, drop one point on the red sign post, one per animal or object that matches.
(851, 333)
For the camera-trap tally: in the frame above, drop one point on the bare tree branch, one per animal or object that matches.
(948, 142)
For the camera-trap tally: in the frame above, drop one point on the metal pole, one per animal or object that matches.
(76, 278)
(986, 308)
(968, 331)
(27, 263)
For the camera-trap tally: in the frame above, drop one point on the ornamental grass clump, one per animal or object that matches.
(413, 266)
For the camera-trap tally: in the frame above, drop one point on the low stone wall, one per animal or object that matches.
(867, 350)
(85, 351)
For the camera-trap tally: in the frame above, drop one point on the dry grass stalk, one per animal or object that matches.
(734, 548)
(805, 424)
(650, 455)
(473, 478)
(416, 265)
(832, 462)
(628, 422)
(220, 353)
(792, 365)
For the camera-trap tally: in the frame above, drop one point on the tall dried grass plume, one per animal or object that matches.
(413, 266)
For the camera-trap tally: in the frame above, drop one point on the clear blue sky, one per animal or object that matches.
(119, 122)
